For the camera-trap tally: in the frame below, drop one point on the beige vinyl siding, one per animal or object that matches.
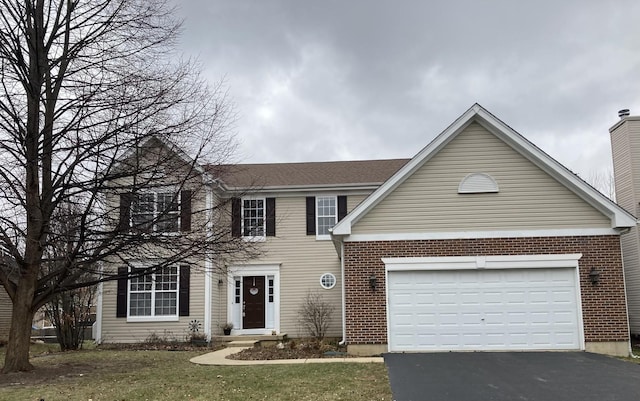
(5, 314)
(302, 259)
(428, 201)
(119, 330)
(625, 145)
(624, 166)
(630, 243)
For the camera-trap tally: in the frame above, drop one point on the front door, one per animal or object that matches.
(253, 302)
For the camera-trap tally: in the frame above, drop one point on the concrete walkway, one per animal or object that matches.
(219, 358)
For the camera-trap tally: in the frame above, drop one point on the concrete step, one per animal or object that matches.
(278, 337)
(243, 343)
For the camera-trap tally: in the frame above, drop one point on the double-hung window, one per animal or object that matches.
(156, 211)
(154, 295)
(326, 215)
(253, 214)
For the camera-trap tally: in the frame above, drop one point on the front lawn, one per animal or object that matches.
(98, 374)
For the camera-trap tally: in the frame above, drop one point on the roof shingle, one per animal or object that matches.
(309, 174)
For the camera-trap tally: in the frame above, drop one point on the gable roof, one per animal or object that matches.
(273, 176)
(476, 113)
(163, 141)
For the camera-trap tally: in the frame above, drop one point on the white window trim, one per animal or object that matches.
(334, 281)
(153, 317)
(477, 183)
(155, 209)
(254, 238)
(325, 237)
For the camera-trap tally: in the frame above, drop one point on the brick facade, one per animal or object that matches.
(603, 306)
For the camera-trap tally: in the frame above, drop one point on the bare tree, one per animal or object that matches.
(604, 181)
(69, 311)
(95, 108)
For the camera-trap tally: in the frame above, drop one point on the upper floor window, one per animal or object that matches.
(153, 211)
(149, 211)
(156, 211)
(326, 215)
(253, 217)
(324, 212)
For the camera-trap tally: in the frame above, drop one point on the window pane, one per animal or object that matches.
(168, 212)
(165, 303)
(143, 283)
(140, 304)
(143, 208)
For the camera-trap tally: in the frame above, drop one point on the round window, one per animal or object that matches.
(328, 281)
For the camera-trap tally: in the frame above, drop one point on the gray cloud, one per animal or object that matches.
(337, 80)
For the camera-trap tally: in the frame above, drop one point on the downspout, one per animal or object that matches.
(343, 303)
(624, 282)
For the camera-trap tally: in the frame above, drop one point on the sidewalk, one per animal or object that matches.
(219, 358)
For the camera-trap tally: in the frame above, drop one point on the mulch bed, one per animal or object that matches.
(291, 350)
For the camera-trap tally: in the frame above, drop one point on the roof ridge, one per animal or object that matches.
(310, 162)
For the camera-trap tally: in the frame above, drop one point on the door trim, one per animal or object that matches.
(272, 269)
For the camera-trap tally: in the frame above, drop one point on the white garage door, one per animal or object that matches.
(502, 309)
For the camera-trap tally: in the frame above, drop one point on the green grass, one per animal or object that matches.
(163, 375)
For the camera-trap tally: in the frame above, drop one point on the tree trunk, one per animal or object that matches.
(17, 357)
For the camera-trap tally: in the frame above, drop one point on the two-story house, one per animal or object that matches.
(479, 242)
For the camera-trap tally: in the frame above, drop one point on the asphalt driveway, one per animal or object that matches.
(497, 376)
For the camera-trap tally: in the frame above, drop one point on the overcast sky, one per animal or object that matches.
(342, 80)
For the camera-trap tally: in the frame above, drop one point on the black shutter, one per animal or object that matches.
(125, 211)
(185, 210)
(311, 215)
(271, 217)
(121, 293)
(342, 207)
(236, 217)
(183, 293)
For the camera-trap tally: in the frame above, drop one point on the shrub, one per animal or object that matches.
(315, 314)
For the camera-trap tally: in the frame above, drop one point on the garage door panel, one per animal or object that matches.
(483, 310)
